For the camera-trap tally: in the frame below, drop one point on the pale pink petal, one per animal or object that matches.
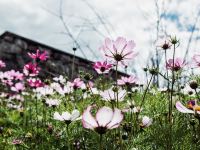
(108, 43)
(130, 45)
(116, 120)
(146, 121)
(88, 120)
(104, 116)
(183, 109)
(120, 44)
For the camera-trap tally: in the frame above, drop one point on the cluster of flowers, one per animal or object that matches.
(177, 64)
(117, 52)
(16, 82)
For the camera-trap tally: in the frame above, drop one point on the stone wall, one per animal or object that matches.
(14, 49)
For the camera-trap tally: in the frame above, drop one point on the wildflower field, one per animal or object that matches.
(105, 113)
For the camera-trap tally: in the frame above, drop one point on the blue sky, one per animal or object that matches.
(134, 19)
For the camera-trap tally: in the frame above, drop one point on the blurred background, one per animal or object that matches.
(85, 24)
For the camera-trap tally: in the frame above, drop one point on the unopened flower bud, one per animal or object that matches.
(192, 122)
(1, 130)
(124, 136)
(193, 84)
(153, 71)
(50, 129)
(174, 40)
(145, 69)
(74, 49)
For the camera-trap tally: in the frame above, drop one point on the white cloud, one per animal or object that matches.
(133, 19)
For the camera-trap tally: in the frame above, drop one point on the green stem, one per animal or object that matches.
(68, 144)
(170, 103)
(116, 77)
(145, 92)
(197, 95)
(100, 142)
(172, 88)
(36, 110)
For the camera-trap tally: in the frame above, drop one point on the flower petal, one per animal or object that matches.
(57, 116)
(75, 114)
(146, 121)
(116, 119)
(120, 44)
(108, 43)
(66, 115)
(182, 108)
(104, 116)
(130, 45)
(88, 120)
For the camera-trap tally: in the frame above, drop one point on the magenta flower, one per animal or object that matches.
(38, 56)
(35, 83)
(102, 67)
(119, 50)
(196, 59)
(2, 64)
(31, 69)
(106, 118)
(191, 108)
(175, 65)
(77, 83)
(127, 80)
(18, 87)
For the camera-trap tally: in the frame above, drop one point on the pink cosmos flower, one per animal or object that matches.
(102, 67)
(106, 118)
(77, 83)
(127, 80)
(35, 83)
(196, 60)
(6, 79)
(10, 77)
(17, 142)
(38, 56)
(2, 64)
(178, 64)
(90, 84)
(119, 50)
(191, 108)
(31, 69)
(15, 75)
(18, 87)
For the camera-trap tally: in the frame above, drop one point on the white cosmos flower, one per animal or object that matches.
(60, 79)
(52, 102)
(94, 91)
(110, 95)
(132, 108)
(146, 122)
(67, 117)
(46, 90)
